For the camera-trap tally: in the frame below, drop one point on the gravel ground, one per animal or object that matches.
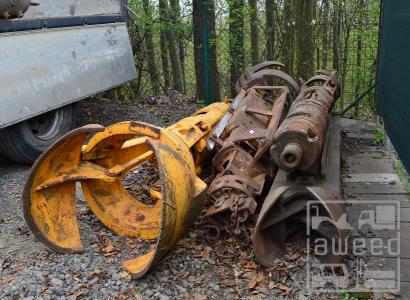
(196, 269)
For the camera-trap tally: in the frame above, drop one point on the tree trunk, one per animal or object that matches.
(173, 51)
(325, 33)
(198, 29)
(336, 37)
(177, 76)
(304, 38)
(213, 64)
(288, 37)
(254, 31)
(236, 40)
(198, 49)
(164, 60)
(176, 16)
(337, 21)
(358, 80)
(270, 29)
(149, 45)
(139, 59)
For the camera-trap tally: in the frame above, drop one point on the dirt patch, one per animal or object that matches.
(160, 111)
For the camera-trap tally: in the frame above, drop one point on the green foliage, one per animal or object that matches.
(344, 168)
(347, 296)
(355, 42)
(378, 137)
(403, 176)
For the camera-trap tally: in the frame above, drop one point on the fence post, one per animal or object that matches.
(205, 43)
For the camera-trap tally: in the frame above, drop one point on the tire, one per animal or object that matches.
(25, 141)
(2, 159)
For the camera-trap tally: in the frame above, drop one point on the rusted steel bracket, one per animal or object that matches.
(284, 210)
(267, 74)
(244, 165)
(243, 162)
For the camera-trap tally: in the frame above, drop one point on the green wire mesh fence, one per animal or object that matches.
(344, 37)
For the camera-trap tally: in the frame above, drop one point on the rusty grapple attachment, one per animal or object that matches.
(243, 164)
(100, 165)
(284, 211)
(268, 73)
(307, 150)
(263, 132)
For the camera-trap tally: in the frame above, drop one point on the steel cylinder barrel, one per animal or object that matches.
(300, 138)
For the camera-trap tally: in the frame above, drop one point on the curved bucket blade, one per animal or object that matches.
(284, 212)
(181, 201)
(49, 194)
(120, 148)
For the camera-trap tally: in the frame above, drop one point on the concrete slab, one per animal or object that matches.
(388, 264)
(356, 207)
(373, 188)
(386, 229)
(380, 273)
(370, 155)
(405, 240)
(372, 177)
(383, 234)
(379, 151)
(389, 244)
(364, 164)
(352, 125)
(359, 135)
(405, 215)
(404, 200)
(380, 247)
(372, 149)
(404, 291)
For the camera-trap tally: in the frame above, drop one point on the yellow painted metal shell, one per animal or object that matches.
(49, 198)
(181, 204)
(100, 165)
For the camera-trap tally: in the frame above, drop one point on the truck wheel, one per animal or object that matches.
(25, 141)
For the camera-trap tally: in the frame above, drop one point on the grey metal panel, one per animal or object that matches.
(45, 69)
(67, 8)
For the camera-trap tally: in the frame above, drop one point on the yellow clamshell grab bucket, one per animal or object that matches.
(100, 165)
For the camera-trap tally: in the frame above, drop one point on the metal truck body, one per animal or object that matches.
(59, 52)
